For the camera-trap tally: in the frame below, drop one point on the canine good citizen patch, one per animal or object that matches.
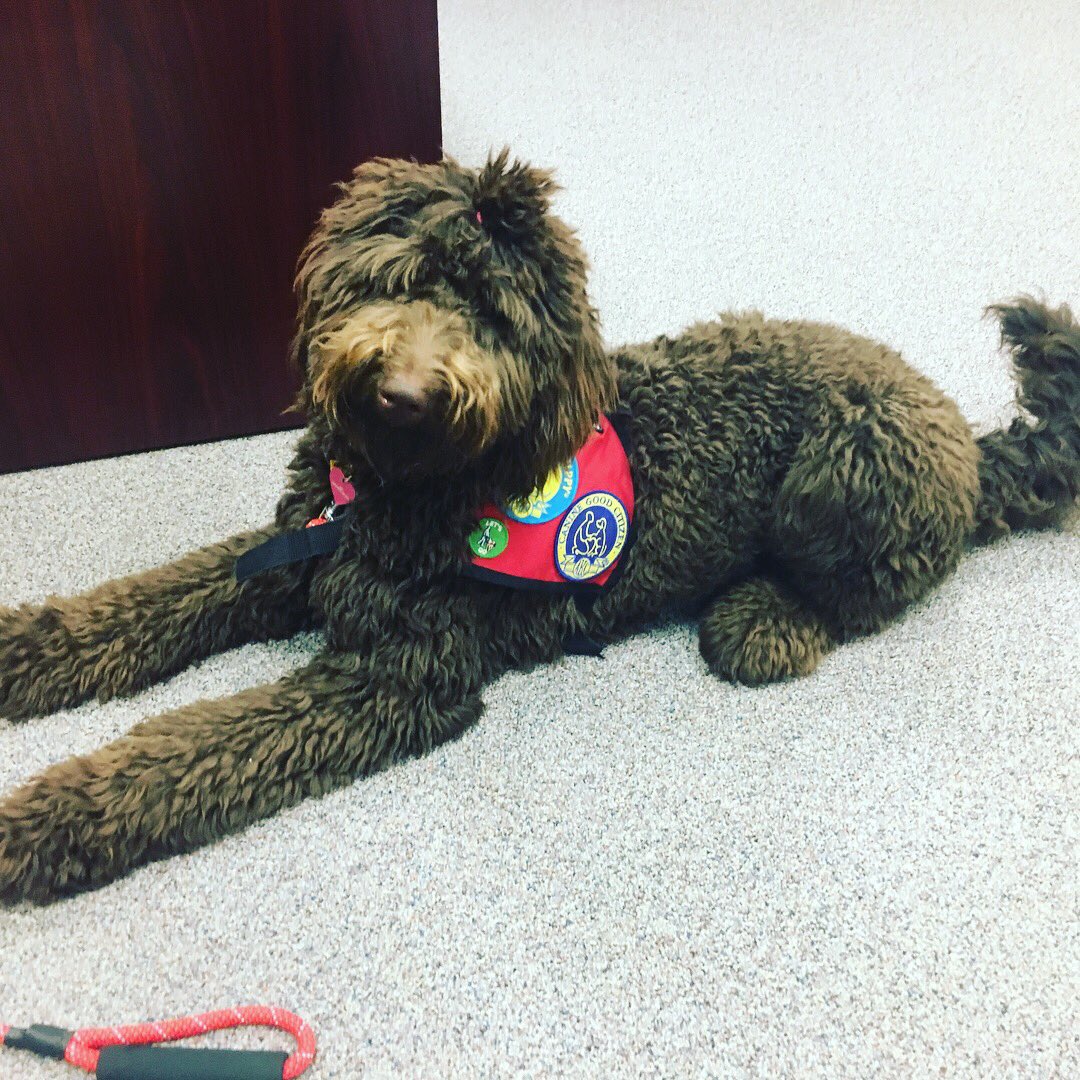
(591, 537)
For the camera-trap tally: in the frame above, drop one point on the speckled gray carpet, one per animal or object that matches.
(629, 868)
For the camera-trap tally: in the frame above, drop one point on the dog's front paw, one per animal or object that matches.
(14, 658)
(34, 647)
(53, 842)
(38, 855)
(756, 634)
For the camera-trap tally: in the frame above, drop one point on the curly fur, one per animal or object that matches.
(796, 483)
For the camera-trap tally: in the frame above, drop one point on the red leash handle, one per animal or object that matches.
(85, 1045)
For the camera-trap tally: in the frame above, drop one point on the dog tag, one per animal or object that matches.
(341, 486)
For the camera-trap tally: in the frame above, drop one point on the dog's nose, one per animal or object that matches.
(402, 401)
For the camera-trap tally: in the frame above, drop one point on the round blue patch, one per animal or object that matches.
(591, 536)
(549, 500)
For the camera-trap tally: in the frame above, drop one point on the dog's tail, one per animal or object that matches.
(1029, 473)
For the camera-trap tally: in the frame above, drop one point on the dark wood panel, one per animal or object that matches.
(162, 165)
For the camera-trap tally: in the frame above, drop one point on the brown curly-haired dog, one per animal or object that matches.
(800, 484)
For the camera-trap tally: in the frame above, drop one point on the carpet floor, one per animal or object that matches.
(629, 868)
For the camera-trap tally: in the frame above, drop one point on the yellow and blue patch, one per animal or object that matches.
(550, 500)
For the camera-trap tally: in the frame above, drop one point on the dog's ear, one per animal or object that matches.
(581, 384)
(543, 295)
(587, 388)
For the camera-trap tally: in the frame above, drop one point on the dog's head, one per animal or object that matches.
(444, 322)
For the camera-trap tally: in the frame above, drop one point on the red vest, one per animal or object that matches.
(568, 536)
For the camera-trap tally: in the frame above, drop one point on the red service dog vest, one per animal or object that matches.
(567, 536)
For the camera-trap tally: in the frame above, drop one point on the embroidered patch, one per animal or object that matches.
(549, 501)
(591, 536)
(489, 538)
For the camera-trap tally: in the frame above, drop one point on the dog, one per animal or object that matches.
(794, 484)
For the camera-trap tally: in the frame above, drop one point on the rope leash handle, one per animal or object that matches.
(102, 1050)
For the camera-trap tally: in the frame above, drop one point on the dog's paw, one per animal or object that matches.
(755, 634)
(35, 662)
(19, 656)
(37, 856)
(765, 657)
(52, 844)
(16, 660)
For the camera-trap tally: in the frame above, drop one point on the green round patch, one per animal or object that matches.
(489, 538)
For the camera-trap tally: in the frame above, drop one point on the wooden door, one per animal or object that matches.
(162, 164)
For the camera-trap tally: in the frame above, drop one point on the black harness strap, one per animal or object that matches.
(291, 547)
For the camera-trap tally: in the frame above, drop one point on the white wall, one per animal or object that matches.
(890, 166)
